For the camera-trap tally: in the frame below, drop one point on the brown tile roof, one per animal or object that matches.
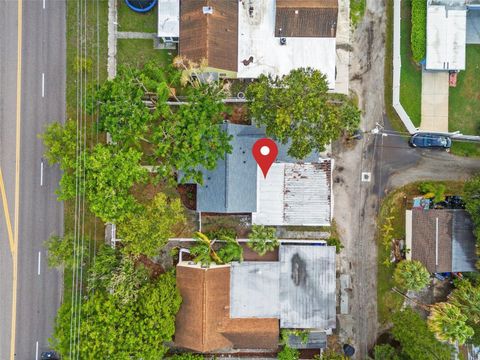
(306, 18)
(424, 239)
(213, 37)
(203, 323)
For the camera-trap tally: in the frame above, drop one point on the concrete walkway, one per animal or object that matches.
(112, 39)
(435, 89)
(135, 35)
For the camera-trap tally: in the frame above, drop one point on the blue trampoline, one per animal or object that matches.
(141, 6)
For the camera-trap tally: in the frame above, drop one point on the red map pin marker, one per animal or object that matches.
(265, 152)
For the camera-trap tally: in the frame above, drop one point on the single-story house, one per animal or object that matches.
(244, 305)
(442, 239)
(244, 39)
(451, 25)
(293, 193)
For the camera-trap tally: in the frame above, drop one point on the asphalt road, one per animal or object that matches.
(40, 215)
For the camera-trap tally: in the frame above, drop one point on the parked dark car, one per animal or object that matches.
(426, 140)
(49, 355)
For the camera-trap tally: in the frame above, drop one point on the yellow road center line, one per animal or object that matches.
(17, 179)
(7, 213)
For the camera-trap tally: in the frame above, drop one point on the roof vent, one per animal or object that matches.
(296, 12)
(207, 10)
(283, 41)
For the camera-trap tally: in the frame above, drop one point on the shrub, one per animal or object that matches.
(430, 190)
(419, 29)
(262, 239)
(334, 241)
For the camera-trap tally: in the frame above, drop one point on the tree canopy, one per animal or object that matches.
(449, 324)
(416, 340)
(411, 275)
(65, 252)
(111, 329)
(148, 230)
(466, 296)
(133, 109)
(204, 253)
(110, 176)
(298, 108)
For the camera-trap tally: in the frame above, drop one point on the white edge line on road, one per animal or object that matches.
(41, 173)
(36, 351)
(43, 85)
(39, 261)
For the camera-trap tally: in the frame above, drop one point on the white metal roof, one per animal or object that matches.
(294, 194)
(299, 289)
(446, 38)
(168, 18)
(256, 39)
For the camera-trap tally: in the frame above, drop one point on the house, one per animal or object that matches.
(244, 305)
(244, 38)
(293, 193)
(441, 239)
(451, 25)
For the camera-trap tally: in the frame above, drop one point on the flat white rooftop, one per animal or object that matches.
(168, 18)
(446, 38)
(256, 39)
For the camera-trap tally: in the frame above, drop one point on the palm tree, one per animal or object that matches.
(204, 253)
(467, 298)
(202, 250)
(262, 239)
(411, 275)
(448, 323)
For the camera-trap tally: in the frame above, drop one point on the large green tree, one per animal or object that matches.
(147, 231)
(192, 137)
(110, 329)
(299, 108)
(110, 176)
(62, 146)
(204, 253)
(449, 324)
(262, 239)
(133, 109)
(466, 296)
(411, 275)
(416, 340)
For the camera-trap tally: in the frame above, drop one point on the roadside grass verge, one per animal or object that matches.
(357, 9)
(394, 205)
(392, 115)
(464, 109)
(95, 66)
(467, 149)
(129, 20)
(411, 74)
(137, 52)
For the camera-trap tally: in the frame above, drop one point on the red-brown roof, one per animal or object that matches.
(306, 18)
(203, 323)
(213, 37)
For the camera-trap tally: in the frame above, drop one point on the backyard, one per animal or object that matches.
(129, 20)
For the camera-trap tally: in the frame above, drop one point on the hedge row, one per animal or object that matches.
(419, 29)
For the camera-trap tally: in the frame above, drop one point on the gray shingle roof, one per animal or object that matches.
(232, 186)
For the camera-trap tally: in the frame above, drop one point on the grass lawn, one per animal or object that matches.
(96, 45)
(394, 205)
(357, 9)
(411, 74)
(137, 52)
(129, 20)
(468, 149)
(464, 109)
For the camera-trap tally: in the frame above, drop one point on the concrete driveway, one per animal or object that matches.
(434, 101)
